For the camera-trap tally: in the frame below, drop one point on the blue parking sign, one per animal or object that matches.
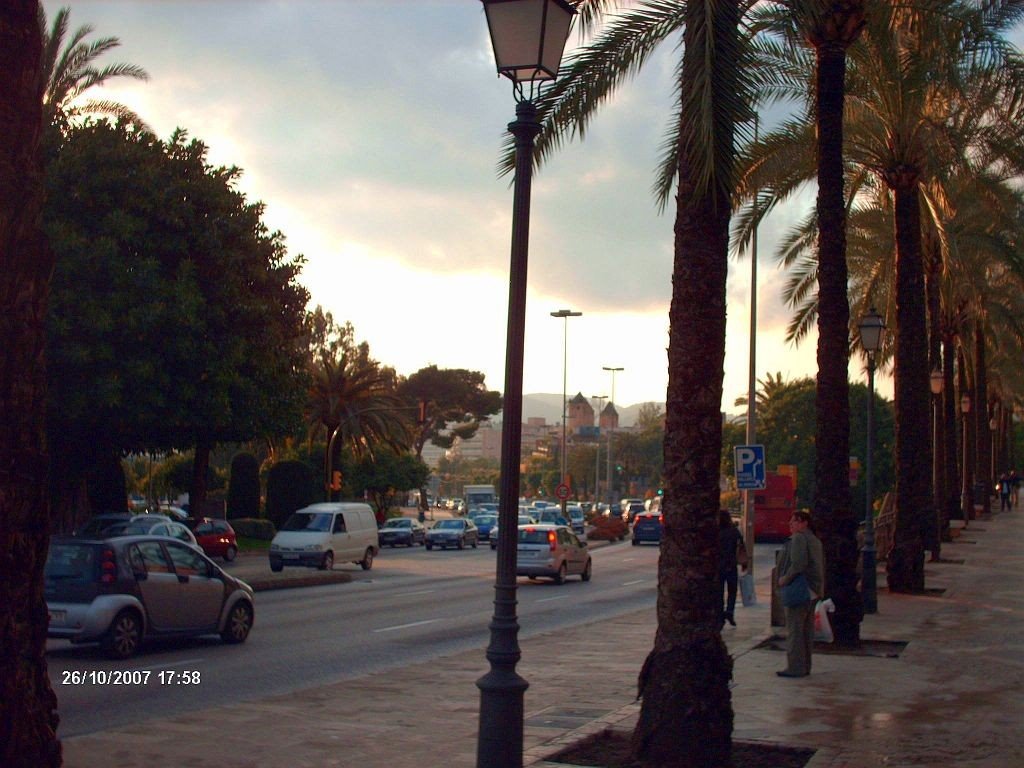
(750, 469)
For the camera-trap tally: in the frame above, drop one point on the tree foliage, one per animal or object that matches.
(385, 478)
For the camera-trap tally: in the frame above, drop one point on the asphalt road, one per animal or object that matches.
(412, 606)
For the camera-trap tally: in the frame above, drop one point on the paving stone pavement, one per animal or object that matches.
(953, 697)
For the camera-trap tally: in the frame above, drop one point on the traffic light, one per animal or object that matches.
(336, 480)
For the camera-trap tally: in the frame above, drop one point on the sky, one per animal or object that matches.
(371, 130)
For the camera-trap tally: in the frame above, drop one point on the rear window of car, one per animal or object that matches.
(533, 536)
(71, 562)
(398, 524)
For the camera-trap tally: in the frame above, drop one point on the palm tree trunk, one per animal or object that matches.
(950, 499)
(834, 515)
(982, 431)
(686, 717)
(967, 452)
(905, 565)
(933, 258)
(28, 706)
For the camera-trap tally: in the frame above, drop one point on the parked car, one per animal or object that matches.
(216, 537)
(319, 535)
(157, 525)
(576, 521)
(484, 525)
(647, 527)
(119, 592)
(552, 551)
(453, 532)
(100, 526)
(631, 510)
(523, 519)
(552, 515)
(402, 530)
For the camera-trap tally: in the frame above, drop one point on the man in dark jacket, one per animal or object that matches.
(802, 554)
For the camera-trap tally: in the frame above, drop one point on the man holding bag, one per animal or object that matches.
(801, 579)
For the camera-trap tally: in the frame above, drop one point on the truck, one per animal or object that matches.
(474, 495)
(773, 506)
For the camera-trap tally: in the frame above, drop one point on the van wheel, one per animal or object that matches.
(560, 576)
(124, 635)
(328, 562)
(367, 561)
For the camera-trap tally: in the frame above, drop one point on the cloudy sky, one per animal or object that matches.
(371, 129)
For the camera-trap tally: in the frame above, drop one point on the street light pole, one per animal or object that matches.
(528, 37)
(937, 381)
(611, 499)
(965, 495)
(565, 314)
(871, 330)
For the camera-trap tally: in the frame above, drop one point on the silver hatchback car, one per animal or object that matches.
(122, 590)
(551, 551)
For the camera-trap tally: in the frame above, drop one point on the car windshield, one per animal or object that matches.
(308, 521)
(398, 524)
(449, 524)
(576, 514)
(70, 562)
(487, 520)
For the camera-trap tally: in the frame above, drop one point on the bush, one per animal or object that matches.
(254, 528)
(244, 487)
(608, 529)
(289, 487)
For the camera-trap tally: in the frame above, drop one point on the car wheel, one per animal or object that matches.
(635, 542)
(462, 544)
(238, 624)
(367, 561)
(428, 545)
(276, 567)
(328, 562)
(585, 576)
(123, 636)
(493, 545)
(230, 553)
(560, 576)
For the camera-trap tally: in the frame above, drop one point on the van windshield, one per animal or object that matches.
(308, 521)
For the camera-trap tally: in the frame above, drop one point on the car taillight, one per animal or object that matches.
(108, 566)
(661, 519)
(552, 541)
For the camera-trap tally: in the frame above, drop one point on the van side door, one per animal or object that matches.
(341, 539)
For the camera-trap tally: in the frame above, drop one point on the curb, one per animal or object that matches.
(313, 580)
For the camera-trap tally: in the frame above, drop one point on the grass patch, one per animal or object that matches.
(249, 544)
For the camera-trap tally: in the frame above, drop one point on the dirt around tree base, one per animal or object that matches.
(611, 749)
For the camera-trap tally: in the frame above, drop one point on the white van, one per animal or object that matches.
(321, 534)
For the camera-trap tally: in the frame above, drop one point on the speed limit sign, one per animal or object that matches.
(562, 492)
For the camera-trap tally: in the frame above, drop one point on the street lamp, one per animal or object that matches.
(965, 494)
(528, 37)
(611, 402)
(565, 314)
(597, 452)
(872, 327)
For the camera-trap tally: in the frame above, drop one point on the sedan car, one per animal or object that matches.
(647, 527)
(101, 525)
(119, 592)
(215, 537)
(553, 551)
(402, 531)
(453, 532)
(157, 525)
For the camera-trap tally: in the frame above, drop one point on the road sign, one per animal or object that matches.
(562, 492)
(750, 469)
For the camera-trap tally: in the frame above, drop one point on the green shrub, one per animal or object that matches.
(254, 528)
(244, 487)
(289, 487)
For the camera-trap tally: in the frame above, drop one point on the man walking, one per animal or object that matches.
(802, 555)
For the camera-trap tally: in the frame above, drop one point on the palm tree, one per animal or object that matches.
(28, 706)
(69, 70)
(686, 713)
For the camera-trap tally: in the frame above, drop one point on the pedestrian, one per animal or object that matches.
(731, 553)
(802, 554)
(1014, 483)
(1005, 488)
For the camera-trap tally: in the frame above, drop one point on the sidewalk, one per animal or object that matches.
(953, 696)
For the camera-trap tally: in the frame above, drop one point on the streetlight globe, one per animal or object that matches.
(937, 382)
(965, 404)
(871, 328)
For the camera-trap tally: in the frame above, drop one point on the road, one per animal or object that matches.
(412, 606)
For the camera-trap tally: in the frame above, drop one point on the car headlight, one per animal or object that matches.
(275, 548)
(313, 547)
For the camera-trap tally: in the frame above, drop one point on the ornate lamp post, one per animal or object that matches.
(528, 37)
(872, 327)
(937, 381)
(565, 314)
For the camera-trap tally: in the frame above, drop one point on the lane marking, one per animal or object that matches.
(549, 599)
(420, 592)
(632, 583)
(406, 626)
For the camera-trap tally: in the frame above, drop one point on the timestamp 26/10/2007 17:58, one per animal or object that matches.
(131, 677)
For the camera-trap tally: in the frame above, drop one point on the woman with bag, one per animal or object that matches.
(801, 578)
(731, 553)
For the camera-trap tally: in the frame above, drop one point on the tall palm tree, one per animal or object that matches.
(686, 713)
(28, 706)
(69, 69)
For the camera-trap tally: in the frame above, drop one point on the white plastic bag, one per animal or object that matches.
(822, 625)
(747, 592)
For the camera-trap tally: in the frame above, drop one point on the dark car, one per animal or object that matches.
(216, 537)
(402, 531)
(458, 532)
(120, 591)
(647, 527)
(104, 525)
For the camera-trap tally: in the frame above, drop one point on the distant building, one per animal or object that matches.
(581, 413)
(609, 417)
